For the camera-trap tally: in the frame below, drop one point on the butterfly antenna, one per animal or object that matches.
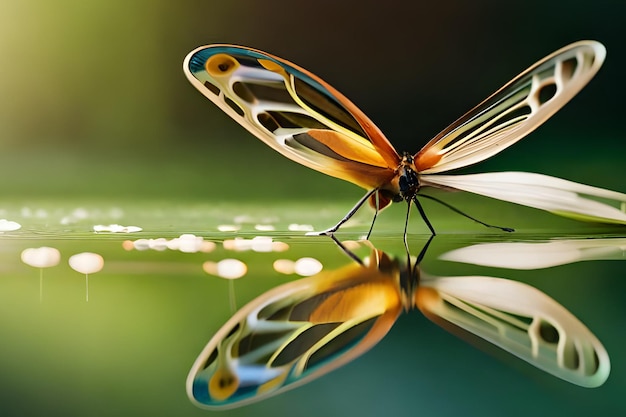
(357, 206)
(456, 210)
(423, 214)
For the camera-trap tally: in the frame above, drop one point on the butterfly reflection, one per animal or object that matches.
(301, 330)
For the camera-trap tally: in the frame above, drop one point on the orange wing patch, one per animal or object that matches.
(349, 148)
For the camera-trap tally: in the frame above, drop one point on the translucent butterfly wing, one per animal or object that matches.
(513, 111)
(556, 195)
(519, 319)
(294, 112)
(294, 333)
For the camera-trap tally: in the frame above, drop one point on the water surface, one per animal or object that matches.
(150, 312)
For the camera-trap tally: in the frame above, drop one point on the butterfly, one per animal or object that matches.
(304, 329)
(310, 122)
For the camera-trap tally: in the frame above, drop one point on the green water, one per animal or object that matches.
(127, 351)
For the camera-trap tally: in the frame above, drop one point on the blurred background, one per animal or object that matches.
(93, 94)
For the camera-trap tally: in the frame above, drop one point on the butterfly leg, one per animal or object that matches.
(377, 208)
(406, 226)
(456, 210)
(406, 244)
(422, 253)
(423, 214)
(346, 251)
(357, 206)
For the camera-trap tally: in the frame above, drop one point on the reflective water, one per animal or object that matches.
(160, 297)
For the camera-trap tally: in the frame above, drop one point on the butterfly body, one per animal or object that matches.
(408, 179)
(310, 122)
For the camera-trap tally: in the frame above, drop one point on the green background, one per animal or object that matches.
(95, 112)
(93, 94)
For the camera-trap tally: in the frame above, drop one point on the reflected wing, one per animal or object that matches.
(556, 195)
(513, 111)
(535, 255)
(519, 319)
(294, 112)
(294, 333)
